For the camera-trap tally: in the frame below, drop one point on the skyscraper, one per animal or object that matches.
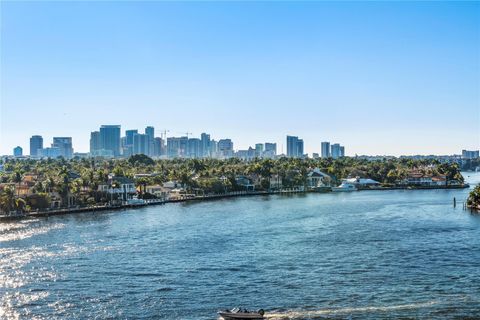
(141, 144)
(36, 143)
(259, 150)
(177, 147)
(294, 147)
(194, 147)
(335, 151)
(300, 147)
(127, 145)
(225, 148)
(271, 147)
(158, 147)
(150, 132)
(270, 150)
(213, 148)
(342, 151)
(326, 149)
(95, 143)
(64, 144)
(110, 139)
(205, 145)
(129, 135)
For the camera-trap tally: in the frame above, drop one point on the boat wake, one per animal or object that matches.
(312, 314)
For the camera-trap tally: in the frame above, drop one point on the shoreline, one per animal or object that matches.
(153, 202)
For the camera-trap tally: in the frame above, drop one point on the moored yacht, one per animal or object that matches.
(345, 187)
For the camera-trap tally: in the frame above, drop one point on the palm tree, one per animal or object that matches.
(18, 179)
(7, 199)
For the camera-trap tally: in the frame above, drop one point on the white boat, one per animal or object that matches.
(135, 202)
(239, 314)
(345, 187)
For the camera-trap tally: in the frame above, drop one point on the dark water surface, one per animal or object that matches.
(370, 254)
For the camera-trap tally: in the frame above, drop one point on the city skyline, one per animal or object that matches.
(109, 142)
(382, 79)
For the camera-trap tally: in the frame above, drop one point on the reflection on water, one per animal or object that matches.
(369, 255)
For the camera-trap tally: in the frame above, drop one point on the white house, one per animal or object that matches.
(121, 186)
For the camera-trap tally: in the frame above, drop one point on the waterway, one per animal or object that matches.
(359, 255)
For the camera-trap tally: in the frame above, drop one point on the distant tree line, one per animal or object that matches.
(80, 178)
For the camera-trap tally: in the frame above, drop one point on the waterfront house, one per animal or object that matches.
(424, 179)
(276, 182)
(121, 186)
(318, 179)
(417, 178)
(245, 183)
(158, 191)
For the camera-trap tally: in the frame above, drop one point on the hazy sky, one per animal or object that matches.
(380, 78)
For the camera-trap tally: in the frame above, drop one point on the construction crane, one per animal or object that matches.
(186, 133)
(163, 134)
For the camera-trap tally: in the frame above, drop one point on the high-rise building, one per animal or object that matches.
(294, 147)
(141, 144)
(326, 149)
(127, 142)
(177, 147)
(36, 143)
(129, 136)
(271, 148)
(194, 147)
(335, 153)
(205, 145)
(158, 147)
(300, 147)
(150, 132)
(225, 148)
(64, 144)
(95, 143)
(259, 150)
(110, 139)
(213, 148)
(18, 151)
(342, 151)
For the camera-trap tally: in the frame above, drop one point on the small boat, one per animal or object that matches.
(135, 202)
(241, 314)
(344, 187)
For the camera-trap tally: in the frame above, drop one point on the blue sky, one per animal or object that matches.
(379, 77)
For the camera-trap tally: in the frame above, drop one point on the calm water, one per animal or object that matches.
(362, 255)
